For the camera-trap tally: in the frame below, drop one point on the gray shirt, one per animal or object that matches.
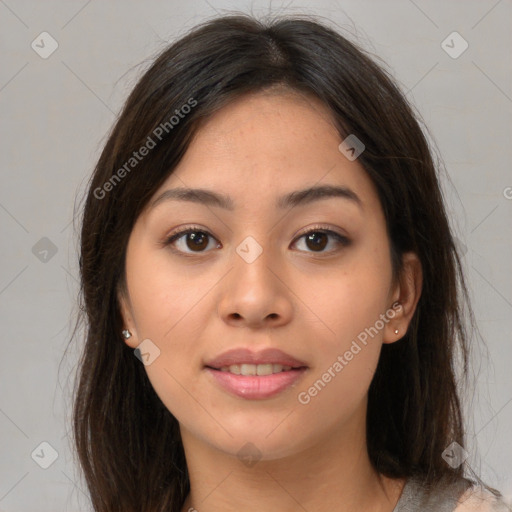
(417, 497)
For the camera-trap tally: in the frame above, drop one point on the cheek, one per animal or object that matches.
(350, 298)
(351, 305)
(170, 311)
(161, 293)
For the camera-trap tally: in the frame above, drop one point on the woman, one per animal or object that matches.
(272, 292)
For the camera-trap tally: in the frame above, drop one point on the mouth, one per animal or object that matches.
(256, 369)
(255, 375)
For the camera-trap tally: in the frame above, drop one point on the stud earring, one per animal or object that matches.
(127, 334)
(396, 331)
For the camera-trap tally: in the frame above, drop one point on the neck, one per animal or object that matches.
(334, 473)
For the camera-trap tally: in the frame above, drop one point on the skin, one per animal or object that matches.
(310, 302)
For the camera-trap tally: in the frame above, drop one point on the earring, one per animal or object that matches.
(396, 331)
(127, 334)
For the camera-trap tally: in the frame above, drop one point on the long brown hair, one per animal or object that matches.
(128, 443)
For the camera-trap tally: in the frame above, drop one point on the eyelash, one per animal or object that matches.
(342, 240)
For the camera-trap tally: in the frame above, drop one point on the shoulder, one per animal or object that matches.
(446, 495)
(478, 499)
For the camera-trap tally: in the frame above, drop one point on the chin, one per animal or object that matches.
(254, 439)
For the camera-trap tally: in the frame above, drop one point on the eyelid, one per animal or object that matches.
(322, 228)
(186, 229)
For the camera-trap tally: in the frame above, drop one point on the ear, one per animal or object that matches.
(127, 316)
(404, 298)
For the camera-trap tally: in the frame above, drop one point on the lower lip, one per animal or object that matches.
(254, 387)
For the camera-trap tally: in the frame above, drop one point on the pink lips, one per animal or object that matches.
(255, 387)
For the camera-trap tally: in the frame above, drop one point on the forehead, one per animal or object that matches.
(272, 125)
(265, 145)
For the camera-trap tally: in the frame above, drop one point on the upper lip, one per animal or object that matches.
(246, 356)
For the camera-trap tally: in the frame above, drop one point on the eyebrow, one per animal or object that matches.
(290, 200)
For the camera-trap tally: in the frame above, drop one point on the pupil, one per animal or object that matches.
(197, 238)
(313, 237)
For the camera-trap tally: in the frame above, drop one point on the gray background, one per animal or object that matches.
(55, 116)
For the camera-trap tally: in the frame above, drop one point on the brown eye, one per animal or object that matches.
(316, 240)
(196, 240)
(190, 240)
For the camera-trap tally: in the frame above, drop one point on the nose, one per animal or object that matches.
(255, 294)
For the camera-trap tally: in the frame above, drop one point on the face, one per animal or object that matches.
(303, 286)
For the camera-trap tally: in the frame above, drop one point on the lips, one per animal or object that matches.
(255, 375)
(241, 356)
